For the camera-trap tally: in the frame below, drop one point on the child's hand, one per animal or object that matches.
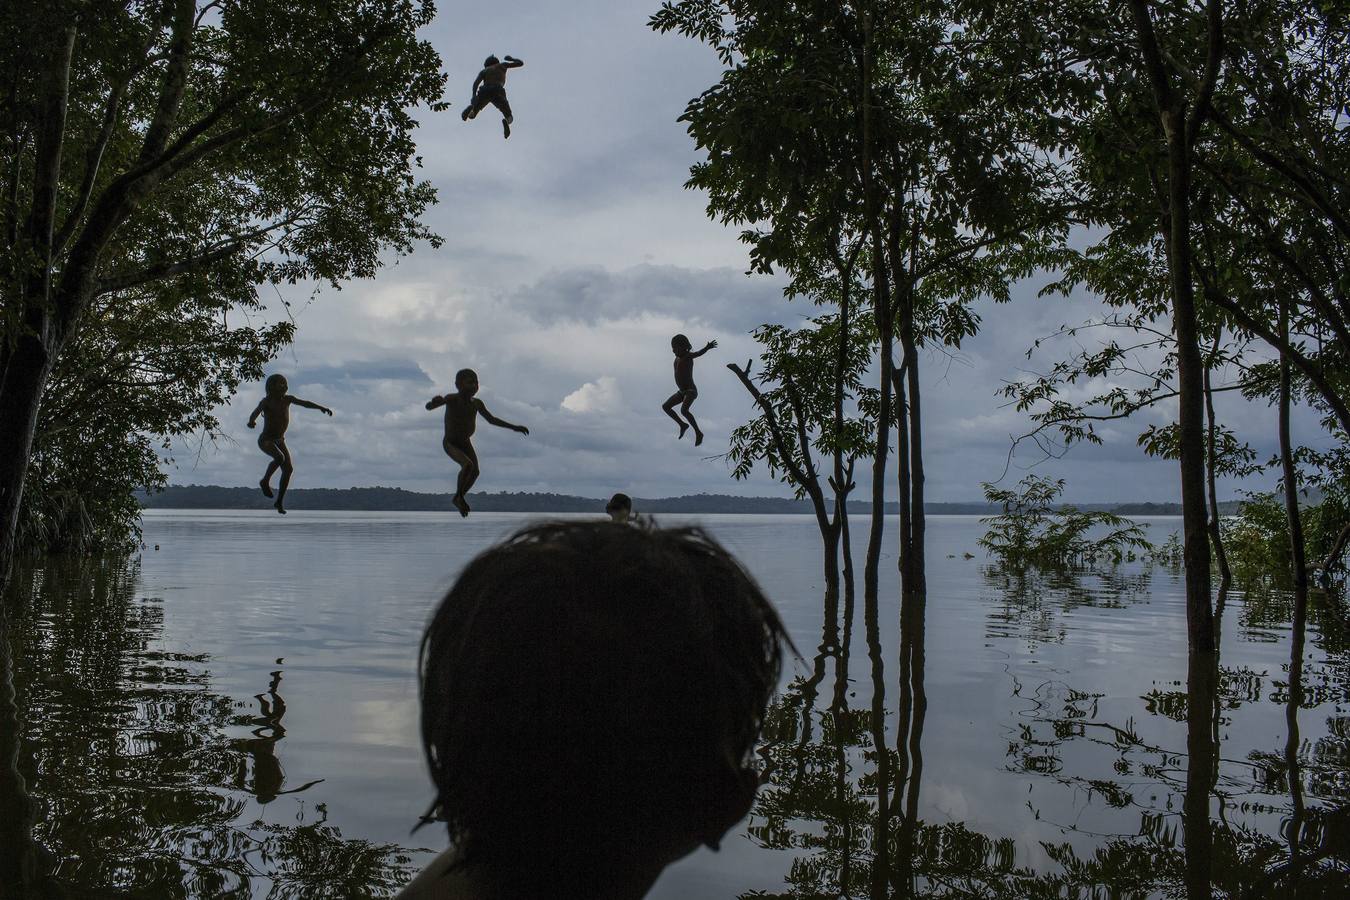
(324, 409)
(522, 429)
(431, 404)
(711, 344)
(251, 423)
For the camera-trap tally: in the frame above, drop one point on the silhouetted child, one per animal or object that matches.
(591, 699)
(684, 382)
(461, 419)
(619, 508)
(490, 87)
(275, 408)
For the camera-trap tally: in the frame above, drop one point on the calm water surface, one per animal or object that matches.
(235, 714)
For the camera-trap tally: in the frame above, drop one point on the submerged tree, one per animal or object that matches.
(205, 146)
(1034, 530)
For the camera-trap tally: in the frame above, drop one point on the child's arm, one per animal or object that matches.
(473, 91)
(511, 62)
(500, 423)
(307, 405)
(435, 402)
(711, 344)
(253, 416)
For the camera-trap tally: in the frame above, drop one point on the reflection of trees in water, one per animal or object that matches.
(138, 789)
(843, 798)
(1031, 605)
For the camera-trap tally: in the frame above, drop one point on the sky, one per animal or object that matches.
(572, 254)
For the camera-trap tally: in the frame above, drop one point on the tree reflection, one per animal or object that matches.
(123, 749)
(845, 780)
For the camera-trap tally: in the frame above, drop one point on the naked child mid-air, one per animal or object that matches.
(490, 87)
(275, 408)
(685, 389)
(461, 418)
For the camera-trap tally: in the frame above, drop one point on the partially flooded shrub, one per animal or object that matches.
(1035, 531)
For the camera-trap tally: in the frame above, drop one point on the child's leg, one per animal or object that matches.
(689, 397)
(287, 467)
(468, 472)
(475, 106)
(499, 100)
(669, 407)
(268, 446)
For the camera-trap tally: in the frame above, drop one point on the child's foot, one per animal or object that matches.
(281, 509)
(698, 437)
(506, 128)
(464, 116)
(266, 488)
(683, 429)
(461, 504)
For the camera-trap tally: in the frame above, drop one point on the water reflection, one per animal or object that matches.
(1156, 808)
(137, 787)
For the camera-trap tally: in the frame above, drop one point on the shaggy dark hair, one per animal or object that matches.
(586, 688)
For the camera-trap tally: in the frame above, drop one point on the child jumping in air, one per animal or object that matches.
(275, 408)
(490, 87)
(686, 391)
(461, 418)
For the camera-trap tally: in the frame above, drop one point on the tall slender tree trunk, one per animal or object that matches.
(1211, 474)
(1299, 564)
(1191, 408)
(1178, 131)
(881, 301)
(25, 378)
(1297, 551)
(1201, 754)
(918, 525)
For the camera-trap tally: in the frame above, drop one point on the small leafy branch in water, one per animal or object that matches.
(1035, 531)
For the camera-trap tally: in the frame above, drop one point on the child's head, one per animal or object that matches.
(491, 61)
(619, 507)
(680, 344)
(466, 381)
(591, 697)
(275, 385)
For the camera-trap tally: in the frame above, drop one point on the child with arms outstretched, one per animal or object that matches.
(686, 392)
(461, 418)
(275, 408)
(490, 87)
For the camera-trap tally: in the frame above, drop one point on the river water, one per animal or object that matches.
(234, 713)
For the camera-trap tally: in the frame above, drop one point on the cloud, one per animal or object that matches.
(599, 396)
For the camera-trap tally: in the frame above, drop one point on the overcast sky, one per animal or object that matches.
(572, 254)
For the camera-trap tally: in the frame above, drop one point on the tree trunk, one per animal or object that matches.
(1178, 130)
(918, 584)
(1191, 406)
(20, 396)
(1201, 754)
(1212, 460)
(1297, 558)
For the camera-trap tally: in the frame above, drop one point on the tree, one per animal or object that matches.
(870, 119)
(234, 142)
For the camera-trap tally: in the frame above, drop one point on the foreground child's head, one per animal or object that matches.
(275, 385)
(591, 696)
(680, 344)
(619, 507)
(490, 62)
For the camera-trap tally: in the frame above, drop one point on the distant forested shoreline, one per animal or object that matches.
(396, 499)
